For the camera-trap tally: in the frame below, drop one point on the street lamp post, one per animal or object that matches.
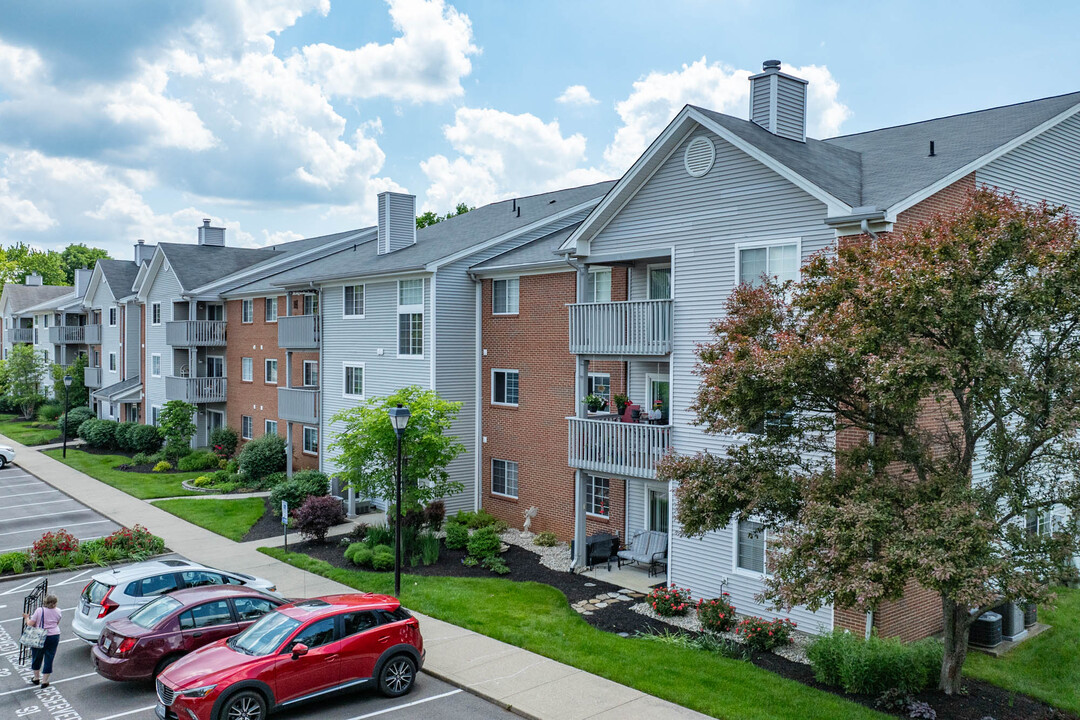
(399, 418)
(67, 384)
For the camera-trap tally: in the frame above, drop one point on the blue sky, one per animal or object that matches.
(281, 119)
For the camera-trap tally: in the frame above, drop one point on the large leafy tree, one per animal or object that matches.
(78, 394)
(78, 255)
(430, 217)
(367, 447)
(24, 371)
(55, 268)
(919, 396)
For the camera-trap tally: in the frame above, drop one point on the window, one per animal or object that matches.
(504, 478)
(658, 510)
(271, 309)
(251, 608)
(155, 415)
(270, 427)
(112, 362)
(660, 282)
(354, 301)
(245, 427)
(600, 384)
(206, 615)
(311, 373)
(504, 387)
(311, 440)
(779, 261)
(354, 380)
(598, 286)
(215, 366)
(215, 312)
(358, 622)
(155, 365)
(247, 311)
(597, 496)
(750, 549)
(215, 420)
(410, 318)
(247, 369)
(271, 372)
(504, 296)
(112, 317)
(158, 585)
(316, 634)
(773, 422)
(201, 578)
(155, 313)
(311, 304)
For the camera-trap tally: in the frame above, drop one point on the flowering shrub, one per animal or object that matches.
(670, 601)
(56, 544)
(716, 615)
(134, 541)
(761, 634)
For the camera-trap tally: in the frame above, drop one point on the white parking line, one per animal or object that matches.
(129, 712)
(406, 705)
(75, 578)
(35, 504)
(39, 492)
(36, 482)
(56, 527)
(54, 682)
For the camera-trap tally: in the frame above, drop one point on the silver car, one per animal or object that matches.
(119, 592)
(7, 455)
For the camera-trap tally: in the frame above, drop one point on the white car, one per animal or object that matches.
(7, 455)
(119, 592)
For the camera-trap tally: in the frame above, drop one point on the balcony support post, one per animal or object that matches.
(288, 450)
(578, 561)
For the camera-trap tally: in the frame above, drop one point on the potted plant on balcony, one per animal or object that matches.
(621, 401)
(595, 403)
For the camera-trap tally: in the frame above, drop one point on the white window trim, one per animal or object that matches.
(266, 374)
(410, 309)
(266, 426)
(155, 309)
(505, 370)
(650, 488)
(208, 423)
(114, 316)
(797, 242)
(303, 439)
(224, 367)
(155, 410)
(363, 292)
(274, 302)
(496, 492)
(113, 365)
(304, 373)
(363, 380)
(671, 276)
(598, 271)
(152, 373)
(251, 432)
(251, 364)
(244, 304)
(608, 376)
(735, 549)
(589, 513)
(505, 280)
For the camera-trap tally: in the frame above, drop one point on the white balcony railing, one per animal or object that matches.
(617, 448)
(195, 389)
(21, 335)
(92, 377)
(639, 327)
(74, 334)
(299, 405)
(298, 332)
(195, 333)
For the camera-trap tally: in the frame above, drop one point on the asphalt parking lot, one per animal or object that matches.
(30, 508)
(78, 693)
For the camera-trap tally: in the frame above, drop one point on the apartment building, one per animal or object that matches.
(15, 302)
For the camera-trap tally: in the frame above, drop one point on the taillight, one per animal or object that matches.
(125, 646)
(107, 605)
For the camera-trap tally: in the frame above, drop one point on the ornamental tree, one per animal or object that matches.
(917, 399)
(367, 447)
(24, 370)
(177, 426)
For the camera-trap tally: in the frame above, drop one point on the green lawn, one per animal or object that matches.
(144, 486)
(24, 432)
(1046, 667)
(538, 618)
(231, 518)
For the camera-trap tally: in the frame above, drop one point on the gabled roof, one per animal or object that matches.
(125, 389)
(197, 265)
(540, 253)
(53, 303)
(448, 239)
(120, 274)
(20, 298)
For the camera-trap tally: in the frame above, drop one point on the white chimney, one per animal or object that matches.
(397, 221)
(211, 235)
(33, 279)
(778, 102)
(140, 251)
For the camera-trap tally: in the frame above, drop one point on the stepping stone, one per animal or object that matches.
(600, 605)
(590, 584)
(586, 613)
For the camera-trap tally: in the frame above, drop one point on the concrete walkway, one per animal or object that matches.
(526, 683)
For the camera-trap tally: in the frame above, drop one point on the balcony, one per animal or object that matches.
(195, 333)
(92, 377)
(639, 327)
(195, 389)
(298, 332)
(75, 335)
(608, 447)
(21, 335)
(299, 405)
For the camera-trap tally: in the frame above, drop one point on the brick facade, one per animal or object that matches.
(534, 434)
(258, 340)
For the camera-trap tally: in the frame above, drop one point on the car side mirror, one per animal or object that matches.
(299, 650)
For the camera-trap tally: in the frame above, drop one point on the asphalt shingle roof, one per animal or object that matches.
(120, 274)
(539, 251)
(22, 297)
(197, 265)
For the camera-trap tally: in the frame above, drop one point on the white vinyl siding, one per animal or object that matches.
(353, 299)
(505, 296)
(247, 369)
(354, 381)
(504, 387)
(504, 478)
(1044, 168)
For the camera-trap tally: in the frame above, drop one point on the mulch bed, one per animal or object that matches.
(981, 700)
(268, 526)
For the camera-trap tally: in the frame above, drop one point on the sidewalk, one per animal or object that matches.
(526, 683)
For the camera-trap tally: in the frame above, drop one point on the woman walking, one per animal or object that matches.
(48, 617)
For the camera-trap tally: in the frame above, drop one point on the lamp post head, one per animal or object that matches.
(399, 418)
(67, 381)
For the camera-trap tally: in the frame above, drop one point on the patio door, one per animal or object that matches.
(215, 420)
(215, 312)
(657, 510)
(659, 389)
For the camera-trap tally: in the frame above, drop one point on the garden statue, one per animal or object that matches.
(529, 515)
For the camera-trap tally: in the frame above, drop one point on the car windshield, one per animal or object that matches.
(152, 612)
(95, 592)
(266, 635)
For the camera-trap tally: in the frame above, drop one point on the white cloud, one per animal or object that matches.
(425, 64)
(503, 155)
(577, 95)
(19, 213)
(824, 113)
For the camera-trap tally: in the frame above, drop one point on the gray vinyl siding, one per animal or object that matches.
(133, 339)
(738, 202)
(635, 508)
(1047, 167)
(102, 300)
(164, 289)
(791, 109)
(760, 102)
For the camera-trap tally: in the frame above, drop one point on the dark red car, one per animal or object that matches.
(300, 651)
(141, 645)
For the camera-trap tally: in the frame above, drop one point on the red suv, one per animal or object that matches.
(300, 651)
(168, 627)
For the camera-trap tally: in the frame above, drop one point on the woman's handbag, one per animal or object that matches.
(33, 637)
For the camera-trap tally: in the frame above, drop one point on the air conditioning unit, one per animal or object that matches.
(986, 631)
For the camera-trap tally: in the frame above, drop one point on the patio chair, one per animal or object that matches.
(648, 547)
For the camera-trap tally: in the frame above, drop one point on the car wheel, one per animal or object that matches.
(164, 663)
(3, 462)
(244, 705)
(397, 676)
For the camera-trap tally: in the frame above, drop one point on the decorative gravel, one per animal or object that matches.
(556, 557)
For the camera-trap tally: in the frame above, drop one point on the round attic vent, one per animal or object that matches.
(700, 154)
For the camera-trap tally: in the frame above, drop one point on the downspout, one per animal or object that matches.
(478, 381)
(865, 227)
(870, 438)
